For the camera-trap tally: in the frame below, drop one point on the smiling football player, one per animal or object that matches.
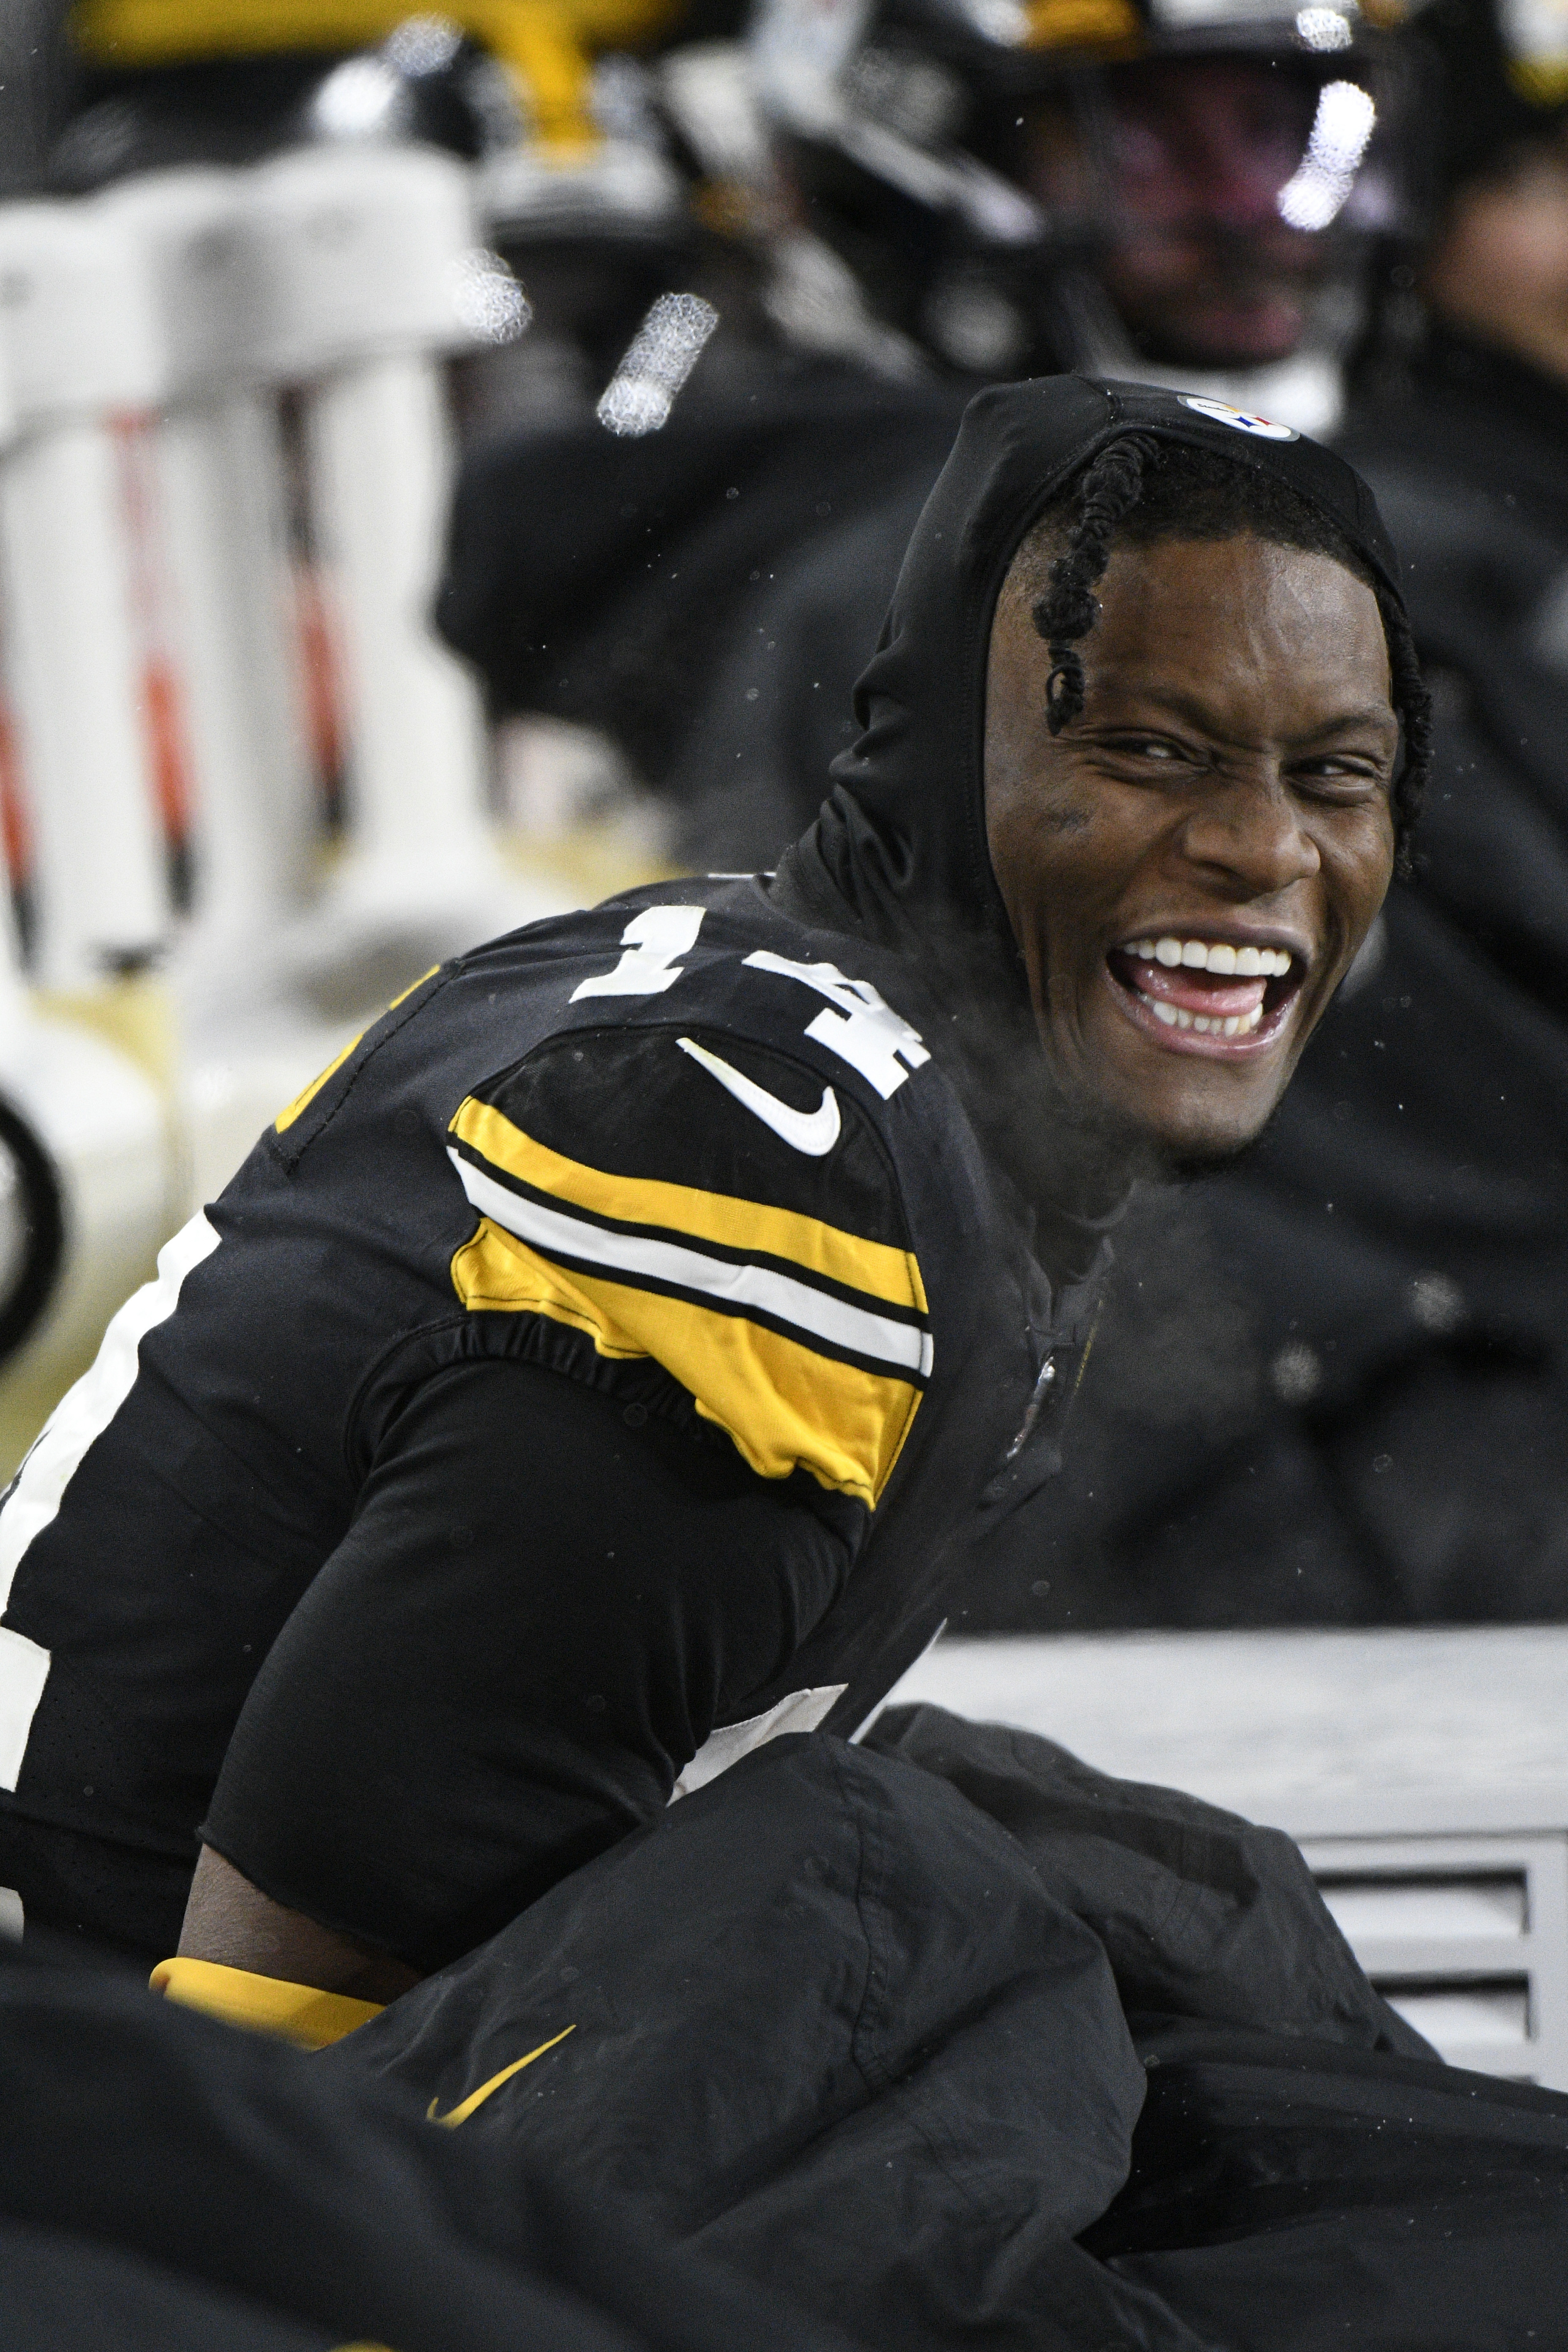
(612, 1360)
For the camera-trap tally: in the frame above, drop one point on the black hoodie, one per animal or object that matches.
(901, 839)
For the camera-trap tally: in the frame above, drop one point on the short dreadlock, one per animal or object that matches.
(1142, 489)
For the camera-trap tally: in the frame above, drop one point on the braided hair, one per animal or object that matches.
(1142, 491)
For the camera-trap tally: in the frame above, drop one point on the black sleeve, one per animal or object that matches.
(546, 1601)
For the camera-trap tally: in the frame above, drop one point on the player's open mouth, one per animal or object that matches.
(1203, 995)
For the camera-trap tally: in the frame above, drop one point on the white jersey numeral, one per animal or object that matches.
(863, 1029)
(650, 942)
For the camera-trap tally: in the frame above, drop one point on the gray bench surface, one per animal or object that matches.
(1323, 1734)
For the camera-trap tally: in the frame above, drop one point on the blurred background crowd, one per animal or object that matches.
(618, 345)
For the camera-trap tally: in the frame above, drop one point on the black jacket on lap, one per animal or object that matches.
(940, 2042)
(955, 2042)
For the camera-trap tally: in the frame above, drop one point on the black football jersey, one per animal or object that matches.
(681, 1149)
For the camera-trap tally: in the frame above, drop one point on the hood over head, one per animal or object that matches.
(900, 841)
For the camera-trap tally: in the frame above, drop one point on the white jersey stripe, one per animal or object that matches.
(901, 1347)
(803, 1710)
(23, 1671)
(82, 1414)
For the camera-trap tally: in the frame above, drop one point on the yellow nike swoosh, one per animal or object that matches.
(459, 2114)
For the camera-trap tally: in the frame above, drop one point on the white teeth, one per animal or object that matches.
(1234, 1025)
(1197, 955)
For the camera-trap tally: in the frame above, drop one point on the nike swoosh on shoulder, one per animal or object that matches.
(811, 1131)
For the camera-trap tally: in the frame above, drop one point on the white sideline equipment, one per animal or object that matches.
(369, 256)
(363, 264)
(219, 532)
(85, 1192)
(1423, 1773)
(80, 369)
(151, 657)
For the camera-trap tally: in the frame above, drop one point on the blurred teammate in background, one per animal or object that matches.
(1024, 188)
(932, 194)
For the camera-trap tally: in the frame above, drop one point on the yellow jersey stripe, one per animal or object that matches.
(404, 993)
(459, 2114)
(307, 1094)
(784, 1405)
(876, 1268)
(303, 1100)
(766, 1292)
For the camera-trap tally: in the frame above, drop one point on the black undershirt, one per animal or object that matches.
(545, 1603)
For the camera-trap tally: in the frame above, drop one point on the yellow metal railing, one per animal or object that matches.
(544, 45)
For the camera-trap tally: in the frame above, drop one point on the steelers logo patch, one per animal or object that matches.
(1242, 420)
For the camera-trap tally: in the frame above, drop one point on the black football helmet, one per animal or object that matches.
(1024, 184)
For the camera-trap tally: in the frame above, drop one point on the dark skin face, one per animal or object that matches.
(1499, 271)
(1197, 260)
(1226, 787)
